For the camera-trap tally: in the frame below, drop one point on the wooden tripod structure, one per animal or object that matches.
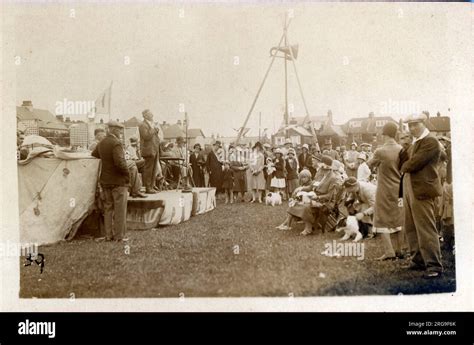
(288, 55)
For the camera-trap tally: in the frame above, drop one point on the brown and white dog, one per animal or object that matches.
(350, 229)
(273, 198)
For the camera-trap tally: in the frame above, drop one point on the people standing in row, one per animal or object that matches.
(114, 180)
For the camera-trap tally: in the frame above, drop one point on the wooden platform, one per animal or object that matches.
(168, 207)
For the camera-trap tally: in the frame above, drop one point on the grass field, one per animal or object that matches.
(234, 250)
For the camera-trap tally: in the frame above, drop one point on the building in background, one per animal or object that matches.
(329, 133)
(42, 122)
(366, 129)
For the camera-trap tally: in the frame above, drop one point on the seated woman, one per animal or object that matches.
(323, 190)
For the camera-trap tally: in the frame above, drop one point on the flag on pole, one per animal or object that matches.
(102, 103)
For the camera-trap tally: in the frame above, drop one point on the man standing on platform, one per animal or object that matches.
(150, 150)
(421, 186)
(114, 179)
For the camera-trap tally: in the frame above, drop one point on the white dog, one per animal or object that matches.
(273, 198)
(351, 229)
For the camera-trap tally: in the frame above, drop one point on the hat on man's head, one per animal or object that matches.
(218, 143)
(390, 129)
(327, 161)
(343, 147)
(278, 150)
(115, 124)
(413, 118)
(350, 182)
(365, 145)
(146, 111)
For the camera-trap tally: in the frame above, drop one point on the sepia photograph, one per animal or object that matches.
(180, 150)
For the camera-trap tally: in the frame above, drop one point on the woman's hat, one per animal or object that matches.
(292, 151)
(354, 144)
(362, 156)
(278, 151)
(305, 146)
(258, 144)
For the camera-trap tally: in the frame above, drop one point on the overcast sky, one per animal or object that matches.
(354, 58)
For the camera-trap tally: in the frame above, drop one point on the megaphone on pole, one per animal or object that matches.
(286, 51)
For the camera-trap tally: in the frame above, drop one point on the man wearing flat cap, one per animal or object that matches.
(150, 150)
(421, 186)
(114, 179)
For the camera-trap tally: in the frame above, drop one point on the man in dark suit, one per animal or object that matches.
(421, 185)
(305, 160)
(114, 179)
(150, 150)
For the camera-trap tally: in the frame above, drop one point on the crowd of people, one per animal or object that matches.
(400, 191)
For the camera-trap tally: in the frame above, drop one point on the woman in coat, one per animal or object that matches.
(239, 168)
(197, 162)
(388, 214)
(256, 165)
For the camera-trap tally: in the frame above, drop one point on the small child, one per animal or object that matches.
(228, 183)
(279, 175)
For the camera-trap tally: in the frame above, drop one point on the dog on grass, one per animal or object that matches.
(351, 228)
(273, 198)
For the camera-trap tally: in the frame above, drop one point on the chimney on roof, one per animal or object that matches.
(60, 118)
(330, 117)
(427, 113)
(68, 119)
(178, 123)
(371, 115)
(101, 120)
(28, 105)
(438, 114)
(164, 123)
(293, 121)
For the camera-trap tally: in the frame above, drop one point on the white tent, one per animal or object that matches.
(55, 196)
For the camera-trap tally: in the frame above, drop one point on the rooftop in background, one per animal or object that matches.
(44, 117)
